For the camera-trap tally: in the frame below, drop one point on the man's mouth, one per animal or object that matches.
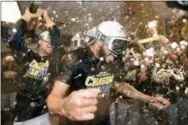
(49, 47)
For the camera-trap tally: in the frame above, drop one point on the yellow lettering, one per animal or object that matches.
(89, 81)
(33, 63)
(45, 65)
(96, 82)
(39, 66)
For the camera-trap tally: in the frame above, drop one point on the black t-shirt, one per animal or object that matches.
(33, 74)
(81, 69)
(34, 85)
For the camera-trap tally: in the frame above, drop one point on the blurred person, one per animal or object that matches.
(8, 86)
(84, 71)
(178, 32)
(30, 106)
(166, 79)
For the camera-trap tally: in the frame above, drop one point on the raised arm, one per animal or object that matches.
(52, 28)
(16, 40)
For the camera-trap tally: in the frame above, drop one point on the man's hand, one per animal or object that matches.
(81, 105)
(161, 103)
(9, 59)
(28, 15)
(45, 14)
(142, 77)
(164, 39)
(48, 20)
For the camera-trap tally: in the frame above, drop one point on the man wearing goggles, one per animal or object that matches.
(87, 83)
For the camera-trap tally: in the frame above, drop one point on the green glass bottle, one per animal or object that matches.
(33, 7)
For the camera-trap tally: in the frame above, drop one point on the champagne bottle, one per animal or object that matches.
(33, 7)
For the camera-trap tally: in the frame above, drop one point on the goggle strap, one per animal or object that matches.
(101, 36)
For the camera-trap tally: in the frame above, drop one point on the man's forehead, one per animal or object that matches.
(46, 41)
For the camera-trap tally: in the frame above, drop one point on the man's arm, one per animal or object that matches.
(52, 28)
(16, 40)
(130, 91)
(55, 98)
(79, 105)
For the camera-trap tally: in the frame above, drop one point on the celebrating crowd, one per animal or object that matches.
(113, 79)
